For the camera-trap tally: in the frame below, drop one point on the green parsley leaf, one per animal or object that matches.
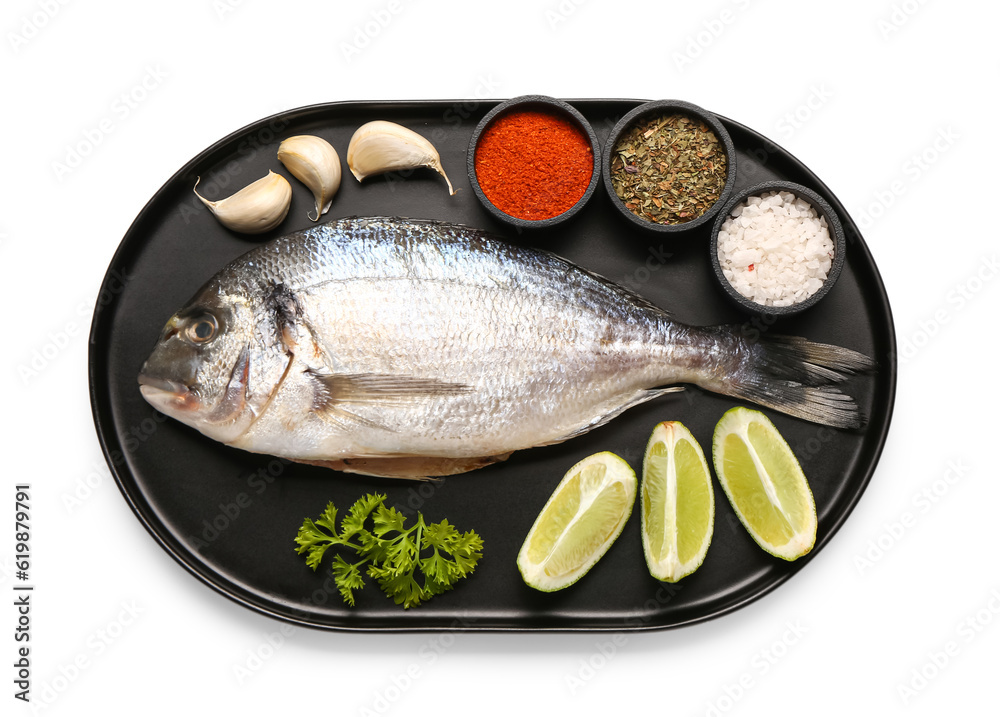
(329, 518)
(313, 540)
(354, 521)
(348, 579)
(436, 568)
(440, 534)
(387, 519)
(390, 553)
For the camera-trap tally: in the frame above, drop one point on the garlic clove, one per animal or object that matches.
(257, 208)
(314, 162)
(381, 146)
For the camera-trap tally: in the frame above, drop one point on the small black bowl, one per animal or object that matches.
(822, 208)
(537, 102)
(668, 107)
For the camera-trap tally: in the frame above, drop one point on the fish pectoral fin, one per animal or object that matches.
(346, 420)
(409, 467)
(610, 411)
(333, 389)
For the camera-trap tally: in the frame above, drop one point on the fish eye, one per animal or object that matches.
(202, 329)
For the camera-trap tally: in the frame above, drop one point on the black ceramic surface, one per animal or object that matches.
(664, 108)
(822, 208)
(230, 517)
(544, 103)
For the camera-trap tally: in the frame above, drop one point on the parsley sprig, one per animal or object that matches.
(390, 553)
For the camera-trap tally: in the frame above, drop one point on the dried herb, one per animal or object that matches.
(669, 169)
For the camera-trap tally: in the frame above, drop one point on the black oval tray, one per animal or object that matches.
(230, 517)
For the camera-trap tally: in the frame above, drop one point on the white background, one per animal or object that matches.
(876, 86)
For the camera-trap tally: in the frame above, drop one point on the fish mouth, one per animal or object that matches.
(165, 394)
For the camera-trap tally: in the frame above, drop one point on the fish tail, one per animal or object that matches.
(793, 375)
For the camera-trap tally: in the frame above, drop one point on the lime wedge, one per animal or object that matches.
(678, 503)
(580, 521)
(765, 483)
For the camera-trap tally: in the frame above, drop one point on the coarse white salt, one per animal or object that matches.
(775, 249)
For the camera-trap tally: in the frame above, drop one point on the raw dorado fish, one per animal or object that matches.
(412, 348)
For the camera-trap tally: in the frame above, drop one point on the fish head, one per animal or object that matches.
(199, 370)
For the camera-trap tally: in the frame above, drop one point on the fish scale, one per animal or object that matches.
(410, 348)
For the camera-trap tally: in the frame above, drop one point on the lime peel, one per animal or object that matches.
(582, 518)
(764, 483)
(678, 503)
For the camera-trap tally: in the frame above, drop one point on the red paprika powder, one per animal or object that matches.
(533, 164)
